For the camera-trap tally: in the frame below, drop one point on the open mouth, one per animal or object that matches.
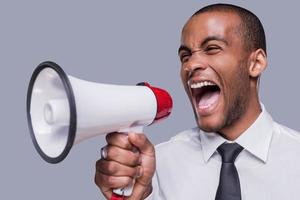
(206, 96)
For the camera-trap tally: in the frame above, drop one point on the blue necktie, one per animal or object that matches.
(229, 184)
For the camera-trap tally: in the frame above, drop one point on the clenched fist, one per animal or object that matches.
(130, 158)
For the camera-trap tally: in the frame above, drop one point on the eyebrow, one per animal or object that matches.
(183, 48)
(216, 37)
(204, 42)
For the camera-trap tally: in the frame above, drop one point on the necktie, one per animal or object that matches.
(229, 184)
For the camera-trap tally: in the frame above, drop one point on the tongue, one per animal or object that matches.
(209, 98)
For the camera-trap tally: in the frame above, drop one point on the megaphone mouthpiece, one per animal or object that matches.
(164, 103)
(56, 112)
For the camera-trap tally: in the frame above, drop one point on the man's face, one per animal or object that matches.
(214, 69)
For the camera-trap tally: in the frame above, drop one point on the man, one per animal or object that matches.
(237, 151)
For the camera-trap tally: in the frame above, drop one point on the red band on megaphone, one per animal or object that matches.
(164, 102)
(116, 197)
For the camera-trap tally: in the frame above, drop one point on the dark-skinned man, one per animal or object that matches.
(237, 151)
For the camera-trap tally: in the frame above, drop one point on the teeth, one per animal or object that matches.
(202, 84)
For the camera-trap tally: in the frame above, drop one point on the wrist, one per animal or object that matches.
(148, 191)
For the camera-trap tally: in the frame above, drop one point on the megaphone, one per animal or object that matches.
(63, 110)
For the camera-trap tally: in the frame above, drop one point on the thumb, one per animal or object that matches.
(142, 143)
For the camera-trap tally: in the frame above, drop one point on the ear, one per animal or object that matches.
(258, 63)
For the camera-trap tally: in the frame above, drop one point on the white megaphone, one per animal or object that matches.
(63, 110)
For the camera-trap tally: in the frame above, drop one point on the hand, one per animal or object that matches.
(128, 157)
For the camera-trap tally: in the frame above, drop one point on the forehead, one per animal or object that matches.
(216, 23)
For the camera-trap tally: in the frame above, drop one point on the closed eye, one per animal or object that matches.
(212, 49)
(184, 57)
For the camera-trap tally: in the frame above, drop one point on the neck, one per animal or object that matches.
(234, 130)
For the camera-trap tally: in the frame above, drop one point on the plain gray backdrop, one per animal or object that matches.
(120, 42)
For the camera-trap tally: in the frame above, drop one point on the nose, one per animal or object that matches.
(195, 62)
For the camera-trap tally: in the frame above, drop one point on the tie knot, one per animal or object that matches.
(229, 151)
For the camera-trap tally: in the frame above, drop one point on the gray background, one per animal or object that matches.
(121, 42)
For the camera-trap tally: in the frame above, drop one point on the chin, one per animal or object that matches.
(210, 124)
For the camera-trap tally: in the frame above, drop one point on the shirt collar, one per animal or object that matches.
(256, 139)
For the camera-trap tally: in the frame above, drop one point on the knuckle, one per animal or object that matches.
(105, 181)
(114, 182)
(110, 180)
(111, 152)
(125, 142)
(111, 167)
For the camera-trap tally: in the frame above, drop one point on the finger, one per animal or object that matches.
(113, 168)
(125, 157)
(106, 191)
(106, 182)
(142, 143)
(119, 139)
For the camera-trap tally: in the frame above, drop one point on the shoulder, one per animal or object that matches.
(285, 141)
(287, 132)
(177, 153)
(285, 148)
(279, 130)
(188, 139)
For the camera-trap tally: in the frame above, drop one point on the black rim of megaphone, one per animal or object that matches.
(72, 105)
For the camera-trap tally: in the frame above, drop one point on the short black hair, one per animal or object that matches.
(252, 30)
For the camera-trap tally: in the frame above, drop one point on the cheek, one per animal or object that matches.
(238, 83)
(229, 67)
(234, 77)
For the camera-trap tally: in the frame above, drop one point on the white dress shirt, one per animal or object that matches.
(188, 166)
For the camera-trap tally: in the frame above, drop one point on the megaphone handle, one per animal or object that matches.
(128, 189)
